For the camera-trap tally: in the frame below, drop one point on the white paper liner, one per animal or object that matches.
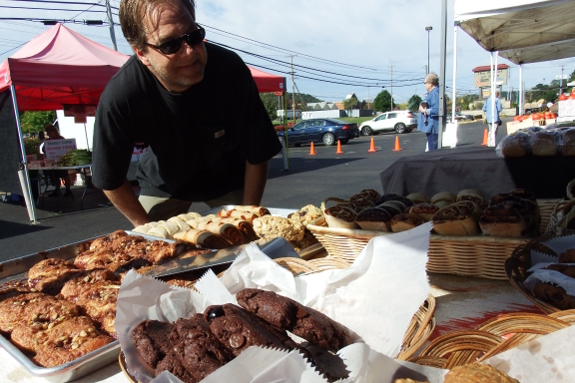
(550, 276)
(363, 297)
(560, 244)
(548, 358)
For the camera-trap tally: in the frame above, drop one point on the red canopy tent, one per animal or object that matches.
(267, 82)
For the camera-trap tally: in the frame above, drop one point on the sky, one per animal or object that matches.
(336, 47)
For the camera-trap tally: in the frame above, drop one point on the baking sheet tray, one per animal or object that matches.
(17, 269)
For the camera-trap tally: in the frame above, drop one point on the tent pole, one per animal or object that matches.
(443, 46)
(521, 100)
(25, 177)
(285, 149)
(86, 133)
(453, 98)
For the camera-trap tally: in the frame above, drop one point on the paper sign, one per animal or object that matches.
(57, 148)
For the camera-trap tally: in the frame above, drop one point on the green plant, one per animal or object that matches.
(31, 145)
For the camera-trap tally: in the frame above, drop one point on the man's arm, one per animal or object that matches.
(255, 182)
(125, 200)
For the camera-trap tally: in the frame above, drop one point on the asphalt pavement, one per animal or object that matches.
(294, 181)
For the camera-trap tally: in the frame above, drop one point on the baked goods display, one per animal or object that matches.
(66, 309)
(236, 226)
(535, 141)
(193, 348)
(467, 213)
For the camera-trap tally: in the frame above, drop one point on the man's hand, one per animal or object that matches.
(125, 200)
(255, 182)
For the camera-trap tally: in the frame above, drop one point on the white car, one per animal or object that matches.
(402, 121)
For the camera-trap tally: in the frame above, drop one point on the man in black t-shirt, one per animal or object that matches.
(197, 107)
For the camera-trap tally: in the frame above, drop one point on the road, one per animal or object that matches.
(308, 179)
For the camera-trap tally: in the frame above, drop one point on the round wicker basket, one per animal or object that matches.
(490, 338)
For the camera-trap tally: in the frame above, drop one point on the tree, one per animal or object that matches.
(270, 102)
(382, 102)
(349, 103)
(34, 122)
(413, 103)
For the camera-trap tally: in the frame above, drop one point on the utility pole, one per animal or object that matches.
(561, 82)
(111, 24)
(292, 91)
(391, 88)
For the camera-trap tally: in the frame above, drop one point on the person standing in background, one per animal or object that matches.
(493, 125)
(428, 119)
(52, 133)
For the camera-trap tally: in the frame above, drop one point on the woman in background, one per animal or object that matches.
(52, 133)
(428, 121)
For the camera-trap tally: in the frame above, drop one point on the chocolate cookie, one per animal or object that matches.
(196, 352)
(290, 315)
(150, 338)
(238, 329)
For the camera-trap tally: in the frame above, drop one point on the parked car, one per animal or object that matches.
(325, 130)
(402, 121)
(460, 117)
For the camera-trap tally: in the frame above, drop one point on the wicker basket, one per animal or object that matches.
(563, 212)
(476, 256)
(517, 265)
(490, 338)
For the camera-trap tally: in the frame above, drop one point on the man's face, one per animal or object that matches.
(179, 71)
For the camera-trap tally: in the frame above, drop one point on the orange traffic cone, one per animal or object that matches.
(372, 147)
(338, 151)
(485, 135)
(397, 147)
(311, 150)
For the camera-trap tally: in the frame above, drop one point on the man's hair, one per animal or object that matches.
(50, 128)
(133, 13)
(432, 78)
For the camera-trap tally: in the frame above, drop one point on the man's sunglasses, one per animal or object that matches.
(173, 46)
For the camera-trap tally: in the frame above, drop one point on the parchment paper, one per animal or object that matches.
(376, 298)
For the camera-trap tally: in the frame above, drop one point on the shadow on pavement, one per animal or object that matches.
(302, 165)
(13, 229)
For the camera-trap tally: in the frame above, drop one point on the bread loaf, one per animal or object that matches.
(568, 142)
(543, 144)
(516, 145)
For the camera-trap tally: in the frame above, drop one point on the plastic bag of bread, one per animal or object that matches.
(544, 143)
(515, 145)
(568, 142)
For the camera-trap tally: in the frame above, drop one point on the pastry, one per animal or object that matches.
(418, 198)
(477, 373)
(568, 256)
(11, 289)
(503, 220)
(305, 322)
(306, 215)
(238, 329)
(424, 210)
(271, 226)
(543, 144)
(402, 222)
(49, 275)
(443, 199)
(456, 219)
(36, 309)
(340, 216)
(204, 238)
(516, 145)
(374, 218)
(68, 341)
(393, 197)
(149, 338)
(370, 194)
(472, 195)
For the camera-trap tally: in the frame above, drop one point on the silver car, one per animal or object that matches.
(402, 121)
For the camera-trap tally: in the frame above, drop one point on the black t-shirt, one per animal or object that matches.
(198, 140)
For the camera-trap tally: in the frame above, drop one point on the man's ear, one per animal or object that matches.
(141, 56)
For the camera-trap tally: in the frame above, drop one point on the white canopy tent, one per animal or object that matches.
(522, 31)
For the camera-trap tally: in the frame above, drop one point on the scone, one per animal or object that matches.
(477, 373)
(283, 312)
(270, 227)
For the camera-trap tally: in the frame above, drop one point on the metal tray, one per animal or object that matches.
(17, 269)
